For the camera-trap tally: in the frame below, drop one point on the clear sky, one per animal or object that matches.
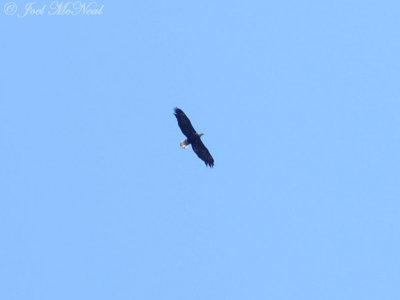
(300, 103)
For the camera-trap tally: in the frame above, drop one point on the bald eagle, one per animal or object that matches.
(193, 138)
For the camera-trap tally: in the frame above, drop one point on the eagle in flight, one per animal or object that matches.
(193, 138)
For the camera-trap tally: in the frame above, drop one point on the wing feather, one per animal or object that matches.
(202, 152)
(184, 123)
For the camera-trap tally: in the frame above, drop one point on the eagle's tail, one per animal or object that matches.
(184, 144)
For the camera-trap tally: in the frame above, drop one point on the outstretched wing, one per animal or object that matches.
(184, 123)
(202, 152)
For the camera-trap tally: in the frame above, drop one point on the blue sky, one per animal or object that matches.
(299, 101)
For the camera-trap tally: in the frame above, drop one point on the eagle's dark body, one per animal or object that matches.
(193, 138)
